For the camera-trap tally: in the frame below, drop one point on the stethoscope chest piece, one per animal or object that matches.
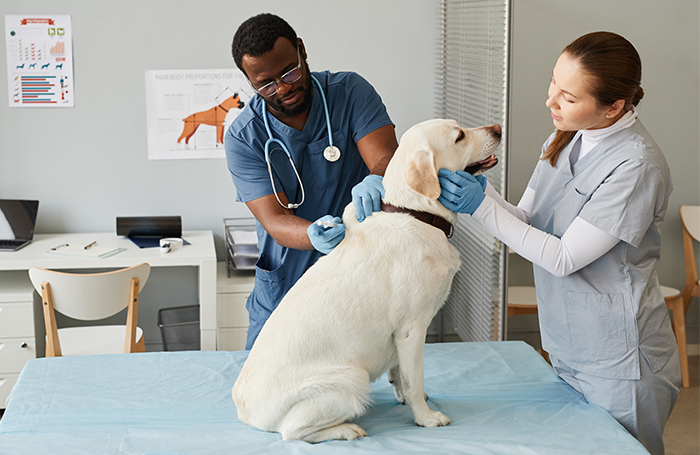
(331, 153)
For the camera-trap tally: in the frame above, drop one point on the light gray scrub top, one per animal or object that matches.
(599, 319)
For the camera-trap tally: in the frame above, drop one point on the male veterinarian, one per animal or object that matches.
(313, 173)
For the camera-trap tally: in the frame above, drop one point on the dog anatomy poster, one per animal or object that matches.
(39, 60)
(189, 111)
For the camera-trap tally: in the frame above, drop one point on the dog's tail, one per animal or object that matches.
(328, 398)
(349, 385)
(328, 394)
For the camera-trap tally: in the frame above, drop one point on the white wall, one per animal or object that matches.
(87, 165)
(666, 35)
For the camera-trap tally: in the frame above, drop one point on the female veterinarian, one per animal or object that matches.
(589, 222)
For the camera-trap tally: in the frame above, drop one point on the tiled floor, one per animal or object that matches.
(682, 433)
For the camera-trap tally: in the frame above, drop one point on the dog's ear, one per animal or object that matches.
(421, 174)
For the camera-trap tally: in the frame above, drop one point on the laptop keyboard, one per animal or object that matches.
(11, 243)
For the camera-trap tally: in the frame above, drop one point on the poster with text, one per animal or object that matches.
(39, 60)
(189, 111)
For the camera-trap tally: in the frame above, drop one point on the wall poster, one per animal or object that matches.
(39, 60)
(189, 111)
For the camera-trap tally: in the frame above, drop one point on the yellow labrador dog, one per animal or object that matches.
(365, 308)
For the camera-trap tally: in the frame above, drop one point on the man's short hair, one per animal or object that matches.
(257, 36)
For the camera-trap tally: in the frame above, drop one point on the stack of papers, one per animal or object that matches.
(80, 250)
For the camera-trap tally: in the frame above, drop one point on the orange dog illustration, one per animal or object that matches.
(214, 116)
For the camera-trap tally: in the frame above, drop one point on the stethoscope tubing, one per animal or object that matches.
(272, 140)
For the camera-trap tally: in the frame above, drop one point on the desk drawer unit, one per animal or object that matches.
(15, 352)
(16, 319)
(17, 337)
(7, 381)
(231, 315)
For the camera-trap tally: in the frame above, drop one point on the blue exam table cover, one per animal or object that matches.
(502, 398)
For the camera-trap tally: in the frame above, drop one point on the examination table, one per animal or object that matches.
(502, 398)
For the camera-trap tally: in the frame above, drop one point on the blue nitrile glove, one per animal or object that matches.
(367, 196)
(460, 191)
(325, 238)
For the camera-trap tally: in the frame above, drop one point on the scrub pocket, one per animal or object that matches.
(567, 209)
(597, 325)
(326, 174)
(270, 287)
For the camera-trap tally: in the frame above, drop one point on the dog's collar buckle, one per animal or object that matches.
(428, 218)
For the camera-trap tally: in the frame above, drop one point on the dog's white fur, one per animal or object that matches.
(364, 308)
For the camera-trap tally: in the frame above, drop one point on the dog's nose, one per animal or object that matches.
(496, 130)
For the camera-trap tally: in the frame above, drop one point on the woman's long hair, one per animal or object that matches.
(615, 71)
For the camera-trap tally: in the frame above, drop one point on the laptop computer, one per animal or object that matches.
(17, 220)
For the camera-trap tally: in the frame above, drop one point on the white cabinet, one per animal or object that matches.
(17, 334)
(231, 316)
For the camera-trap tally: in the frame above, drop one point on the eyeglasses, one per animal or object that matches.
(289, 77)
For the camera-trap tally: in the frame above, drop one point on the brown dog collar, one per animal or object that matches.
(428, 218)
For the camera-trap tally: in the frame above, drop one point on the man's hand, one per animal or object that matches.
(326, 233)
(367, 196)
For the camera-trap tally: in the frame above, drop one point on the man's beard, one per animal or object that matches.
(300, 108)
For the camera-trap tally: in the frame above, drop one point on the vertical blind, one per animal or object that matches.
(473, 89)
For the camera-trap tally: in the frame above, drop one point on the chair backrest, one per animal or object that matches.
(690, 218)
(92, 296)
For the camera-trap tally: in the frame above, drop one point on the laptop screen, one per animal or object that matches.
(17, 219)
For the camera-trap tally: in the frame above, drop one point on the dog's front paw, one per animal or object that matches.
(398, 393)
(433, 419)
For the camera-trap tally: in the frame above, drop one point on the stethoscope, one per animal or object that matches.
(331, 153)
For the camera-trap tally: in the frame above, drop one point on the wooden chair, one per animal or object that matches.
(674, 302)
(690, 220)
(523, 300)
(90, 297)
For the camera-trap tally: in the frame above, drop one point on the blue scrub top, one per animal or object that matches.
(355, 110)
(599, 319)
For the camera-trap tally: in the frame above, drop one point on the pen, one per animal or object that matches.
(87, 247)
(59, 246)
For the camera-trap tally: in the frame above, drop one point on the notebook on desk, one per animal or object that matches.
(17, 221)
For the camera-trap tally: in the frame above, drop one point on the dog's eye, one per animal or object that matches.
(460, 136)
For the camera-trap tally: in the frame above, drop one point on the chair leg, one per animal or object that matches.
(132, 318)
(53, 345)
(140, 345)
(676, 305)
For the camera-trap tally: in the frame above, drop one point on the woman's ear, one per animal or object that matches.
(615, 109)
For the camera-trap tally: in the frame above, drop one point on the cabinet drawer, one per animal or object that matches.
(231, 339)
(14, 353)
(16, 320)
(7, 381)
(230, 310)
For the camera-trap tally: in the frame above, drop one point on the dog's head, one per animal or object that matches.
(433, 145)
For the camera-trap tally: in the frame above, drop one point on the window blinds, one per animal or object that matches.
(473, 89)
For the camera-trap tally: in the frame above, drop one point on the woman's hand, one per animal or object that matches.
(460, 191)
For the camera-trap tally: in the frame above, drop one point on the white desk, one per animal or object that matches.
(200, 253)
